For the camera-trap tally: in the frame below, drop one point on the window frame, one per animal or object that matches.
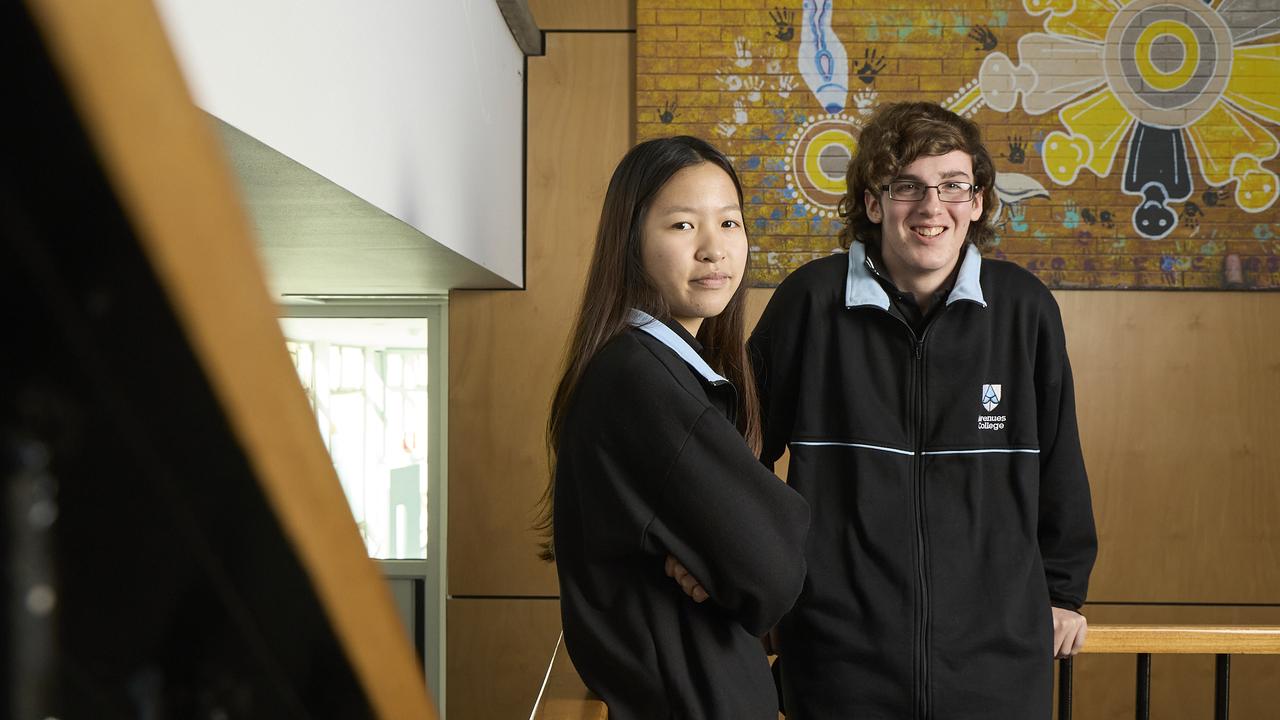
(434, 570)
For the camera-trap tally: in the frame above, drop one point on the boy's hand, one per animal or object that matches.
(1069, 629)
(688, 583)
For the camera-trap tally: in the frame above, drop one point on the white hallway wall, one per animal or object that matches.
(415, 106)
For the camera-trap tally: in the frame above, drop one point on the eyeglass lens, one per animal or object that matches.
(947, 192)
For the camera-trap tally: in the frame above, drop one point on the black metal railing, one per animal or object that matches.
(1145, 640)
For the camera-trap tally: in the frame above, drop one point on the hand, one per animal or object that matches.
(982, 35)
(668, 112)
(785, 21)
(1017, 150)
(864, 99)
(731, 83)
(785, 85)
(871, 66)
(688, 582)
(742, 48)
(1069, 629)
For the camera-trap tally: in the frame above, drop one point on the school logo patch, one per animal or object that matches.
(990, 397)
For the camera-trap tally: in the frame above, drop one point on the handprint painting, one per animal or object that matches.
(1135, 141)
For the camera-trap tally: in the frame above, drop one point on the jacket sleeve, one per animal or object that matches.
(659, 471)
(1068, 540)
(737, 527)
(774, 349)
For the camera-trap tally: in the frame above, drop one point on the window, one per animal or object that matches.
(376, 377)
(368, 381)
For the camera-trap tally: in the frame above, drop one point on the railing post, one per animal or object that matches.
(1064, 689)
(1222, 687)
(1143, 704)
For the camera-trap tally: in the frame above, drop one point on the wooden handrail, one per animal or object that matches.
(1144, 641)
(564, 697)
(1184, 639)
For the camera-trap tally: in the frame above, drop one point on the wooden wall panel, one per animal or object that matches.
(1178, 397)
(584, 14)
(1181, 685)
(498, 655)
(505, 347)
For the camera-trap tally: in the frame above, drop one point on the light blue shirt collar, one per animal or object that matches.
(665, 335)
(969, 280)
(861, 287)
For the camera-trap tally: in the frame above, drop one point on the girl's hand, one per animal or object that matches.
(688, 582)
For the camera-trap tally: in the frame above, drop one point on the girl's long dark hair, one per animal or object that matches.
(617, 282)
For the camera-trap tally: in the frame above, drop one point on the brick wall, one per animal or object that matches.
(1136, 146)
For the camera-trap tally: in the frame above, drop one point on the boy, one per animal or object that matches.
(927, 400)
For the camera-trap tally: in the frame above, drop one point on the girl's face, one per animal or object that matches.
(693, 244)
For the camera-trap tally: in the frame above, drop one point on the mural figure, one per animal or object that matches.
(1161, 73)
(1157, 170)
(820, 149)
(823, 62)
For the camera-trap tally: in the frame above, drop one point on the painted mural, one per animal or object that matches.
(1135, 142)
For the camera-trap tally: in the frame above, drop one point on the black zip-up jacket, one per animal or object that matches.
(948, 490)
(649, 463)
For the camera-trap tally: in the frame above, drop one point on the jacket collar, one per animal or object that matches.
(647, 323)
(862, 289)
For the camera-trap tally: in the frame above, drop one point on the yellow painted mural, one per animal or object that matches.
(1135, 142)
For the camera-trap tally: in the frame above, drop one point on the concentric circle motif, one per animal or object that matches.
(818, 156)
(1168, 61)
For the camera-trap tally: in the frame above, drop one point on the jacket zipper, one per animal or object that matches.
(920, 536)
(922, 645)
(917, 498)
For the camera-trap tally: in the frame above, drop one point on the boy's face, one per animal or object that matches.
(921, 239)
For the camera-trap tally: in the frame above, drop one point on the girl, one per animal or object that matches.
(651, 438)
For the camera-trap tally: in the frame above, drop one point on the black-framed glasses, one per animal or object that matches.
(952, 191)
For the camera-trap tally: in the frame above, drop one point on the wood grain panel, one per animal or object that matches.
(169, 174)
(584, 14)
(498, 652)
(1177, 396)
(1181, 685)
(506, 347)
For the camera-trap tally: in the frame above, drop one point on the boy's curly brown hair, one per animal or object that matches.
(898, 134)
